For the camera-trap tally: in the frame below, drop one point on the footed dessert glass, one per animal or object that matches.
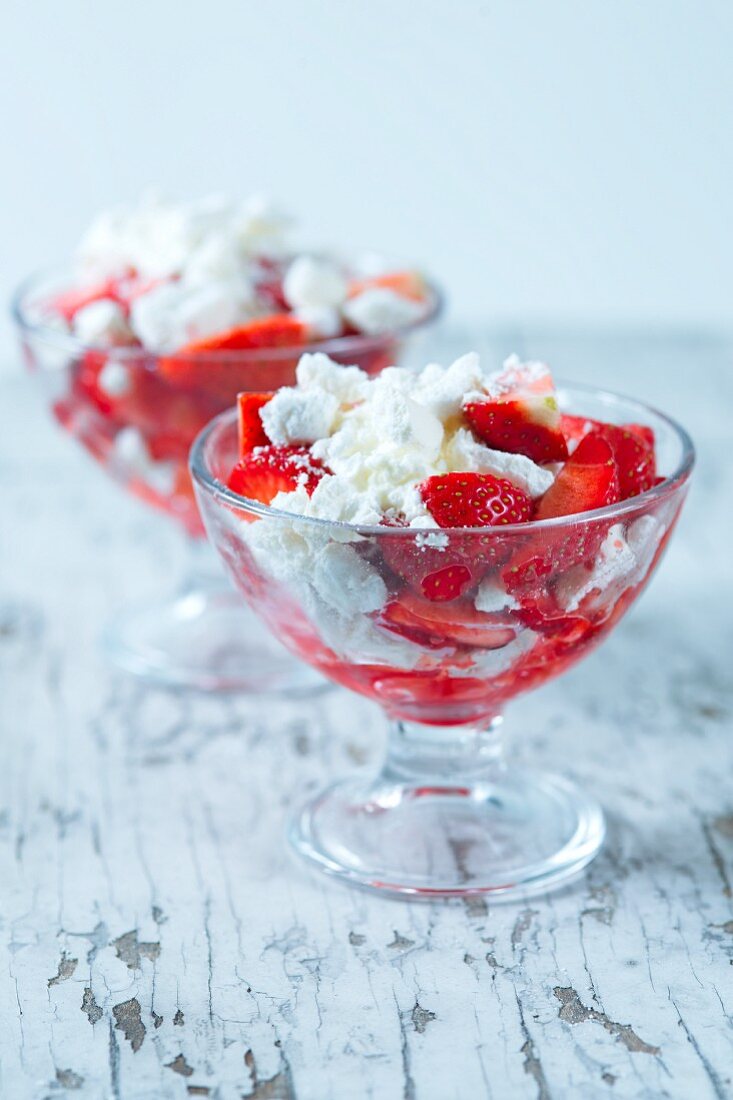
(139, 422)
(447, 814)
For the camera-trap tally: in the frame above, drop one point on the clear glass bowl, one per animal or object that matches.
(141, 434)
(447, 814)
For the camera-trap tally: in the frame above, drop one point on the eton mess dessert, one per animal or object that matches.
(171, 309)
(439, 540)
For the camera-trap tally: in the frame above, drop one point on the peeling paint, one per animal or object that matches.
(573, 1011)
(65, 970)
(132, 951)
(129, 1022)
(90, 1007)
(181, 1066)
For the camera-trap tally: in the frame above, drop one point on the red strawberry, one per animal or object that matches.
(588, 480)
(279, 330)
(438, 625)
(574, 428)
(251, 432)
(267, 471)
(527, 426)
(408, 284)
(199, 366)
(634, 455)
(444, 573)
(632, 446)
(438, 574)
(643, 431)
(69, 302)
(474, 500)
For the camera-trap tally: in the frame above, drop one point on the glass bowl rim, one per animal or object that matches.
(221, 492)
(336, 345)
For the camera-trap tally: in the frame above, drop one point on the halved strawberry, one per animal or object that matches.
(442, 625)
(634, 455)
(267, 471)
(527, 426)
(408, 284)
(199, 366)
(588, 480)
(474, 500)
(251, 432)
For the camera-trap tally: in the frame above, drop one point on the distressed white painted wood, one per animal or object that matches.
(157, 941)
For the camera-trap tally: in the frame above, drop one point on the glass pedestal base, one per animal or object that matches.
(206, 639)
(451, 831)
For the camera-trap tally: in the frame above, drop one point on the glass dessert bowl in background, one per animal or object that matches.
(173, 311)
(447, 814)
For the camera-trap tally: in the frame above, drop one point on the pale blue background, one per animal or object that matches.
(562, 160)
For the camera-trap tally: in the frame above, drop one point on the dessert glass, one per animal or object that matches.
(202, 636)
(447, 814)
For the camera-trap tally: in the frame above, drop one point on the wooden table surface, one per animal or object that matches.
(158, 941)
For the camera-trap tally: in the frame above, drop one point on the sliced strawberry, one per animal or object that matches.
(408, 284)
(251, 432)
(69, 302)
(267, 471)
(588, 480)
(574, 428)
(474, 500)
(632, 446)
(199, 366)
(644, 432)
(445, 625)
(528, 426)
(634, 456)
(279, 330)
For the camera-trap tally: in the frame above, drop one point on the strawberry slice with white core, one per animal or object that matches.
(267, 471)
(588, 480)
(527, 426)
(474, 500)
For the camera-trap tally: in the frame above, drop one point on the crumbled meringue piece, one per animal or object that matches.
(465, 452)
(313, 282)
(322, 322)
(490, 598)
(172, 314)
(114, 379)
(102, 322)
(622, 561)
(297, 416)
(379, 310)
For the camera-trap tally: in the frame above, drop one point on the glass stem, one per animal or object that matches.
(443, 754)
